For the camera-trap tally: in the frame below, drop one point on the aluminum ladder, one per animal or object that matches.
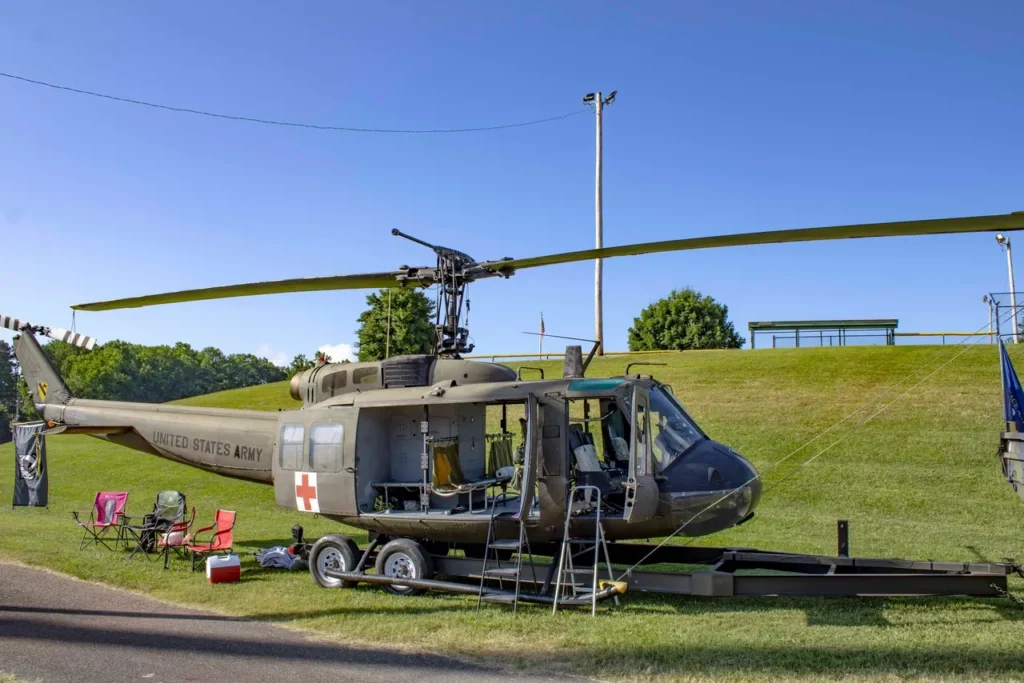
(567, 571)
(493, 547)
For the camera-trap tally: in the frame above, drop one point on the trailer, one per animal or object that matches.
(710, 572)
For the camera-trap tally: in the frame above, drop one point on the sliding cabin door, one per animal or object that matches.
(641, 487)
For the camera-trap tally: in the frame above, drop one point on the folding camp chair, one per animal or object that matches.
(176, 539)
(105, 518)
(168, 509)
(447, 467)
(220, 542)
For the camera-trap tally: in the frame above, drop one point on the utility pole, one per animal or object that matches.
(387, 337)
(1005, 242)
(599, 102)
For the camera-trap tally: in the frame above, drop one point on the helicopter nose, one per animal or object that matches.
(713, 488)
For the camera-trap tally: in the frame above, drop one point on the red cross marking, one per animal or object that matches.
(305, 493)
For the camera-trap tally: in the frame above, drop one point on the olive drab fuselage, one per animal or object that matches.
(358, 451)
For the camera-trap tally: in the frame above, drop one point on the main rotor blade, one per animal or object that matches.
(938, 226)
(1012, 221)
(301, 284)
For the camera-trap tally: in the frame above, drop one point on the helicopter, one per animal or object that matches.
(428, 452)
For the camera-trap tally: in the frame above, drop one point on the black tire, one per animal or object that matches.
(404, 555)
(333, 551)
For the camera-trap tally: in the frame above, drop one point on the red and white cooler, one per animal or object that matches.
(223, 569)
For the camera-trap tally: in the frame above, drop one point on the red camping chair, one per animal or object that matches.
(176, 539)
(106, 518)
(221, 540)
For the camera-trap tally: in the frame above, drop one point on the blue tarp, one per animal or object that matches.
(1013, 393)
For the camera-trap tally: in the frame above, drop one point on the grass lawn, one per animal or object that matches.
(919, 481)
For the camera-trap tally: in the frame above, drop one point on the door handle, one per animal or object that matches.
(351, 470)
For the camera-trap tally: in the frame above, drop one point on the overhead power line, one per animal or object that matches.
(291, 124)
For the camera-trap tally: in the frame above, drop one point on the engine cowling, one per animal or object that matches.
(326, 380)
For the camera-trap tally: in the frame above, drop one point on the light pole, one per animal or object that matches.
(988, 302)
(599, 103)
(1004, 241)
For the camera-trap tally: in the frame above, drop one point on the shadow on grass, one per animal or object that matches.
(851, 612)
(823, 611)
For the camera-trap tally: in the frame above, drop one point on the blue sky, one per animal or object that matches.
(730, 117)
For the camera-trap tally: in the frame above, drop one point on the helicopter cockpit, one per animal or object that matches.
(610, 432)
(673, 431)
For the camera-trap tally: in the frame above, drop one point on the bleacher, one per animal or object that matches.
(824, 332)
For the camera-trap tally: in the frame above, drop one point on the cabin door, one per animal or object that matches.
(641, 487)
(331, 463)
(532, 456)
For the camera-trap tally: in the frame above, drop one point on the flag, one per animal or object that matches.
(542, 324)
(1013, 393)
(31, 483)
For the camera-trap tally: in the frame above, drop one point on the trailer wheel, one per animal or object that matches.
(404, 558)
(333, 551)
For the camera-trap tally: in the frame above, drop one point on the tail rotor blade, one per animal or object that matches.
(80, 340)
(13, 323)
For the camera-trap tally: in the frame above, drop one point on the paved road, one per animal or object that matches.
(54, 628)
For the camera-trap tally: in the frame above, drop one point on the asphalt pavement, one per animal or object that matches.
(54, 628)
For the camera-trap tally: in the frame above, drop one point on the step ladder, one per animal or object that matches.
(492, 553)
(567, 572)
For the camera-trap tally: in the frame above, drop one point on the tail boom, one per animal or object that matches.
(235, 443)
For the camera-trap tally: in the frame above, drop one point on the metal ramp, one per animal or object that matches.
(496, 569)
(567, 572)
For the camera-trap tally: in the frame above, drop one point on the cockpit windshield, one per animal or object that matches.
(672, 431)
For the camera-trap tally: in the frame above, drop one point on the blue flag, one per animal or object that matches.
(1013, 393)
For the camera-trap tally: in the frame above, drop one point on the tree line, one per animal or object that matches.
(120, 371)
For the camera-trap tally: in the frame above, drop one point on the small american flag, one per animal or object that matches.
(542, 324)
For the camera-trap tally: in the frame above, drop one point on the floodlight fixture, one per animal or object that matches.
(588, 98)
(611, 97)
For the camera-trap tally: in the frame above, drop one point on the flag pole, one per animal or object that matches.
(540, 347)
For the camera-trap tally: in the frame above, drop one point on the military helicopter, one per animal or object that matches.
(424, 451)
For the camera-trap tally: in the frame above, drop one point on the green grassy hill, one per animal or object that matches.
(919, 480)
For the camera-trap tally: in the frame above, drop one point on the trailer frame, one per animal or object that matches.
(737, 572)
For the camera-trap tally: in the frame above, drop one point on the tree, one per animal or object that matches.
(299, 364)
(412, 327)
(683, 320)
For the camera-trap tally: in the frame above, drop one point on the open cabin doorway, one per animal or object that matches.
(443, 460)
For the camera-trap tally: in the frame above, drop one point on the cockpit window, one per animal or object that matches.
(672, 432)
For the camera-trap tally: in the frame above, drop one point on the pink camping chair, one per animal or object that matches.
(106, 519)
(220, 542)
